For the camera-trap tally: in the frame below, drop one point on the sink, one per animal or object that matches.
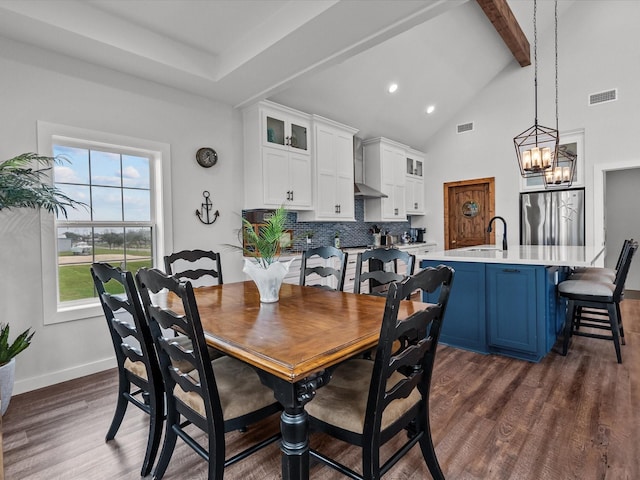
(483, 249)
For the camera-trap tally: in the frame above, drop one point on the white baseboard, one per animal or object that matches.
(33, 383)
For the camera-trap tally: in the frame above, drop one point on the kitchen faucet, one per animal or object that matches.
(504, 231)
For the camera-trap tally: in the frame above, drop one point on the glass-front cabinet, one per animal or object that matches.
(415, 194)
(285, 130)
(277, 157)
(414, 164)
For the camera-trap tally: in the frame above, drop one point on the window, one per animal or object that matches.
(122, 182)
(116, 228)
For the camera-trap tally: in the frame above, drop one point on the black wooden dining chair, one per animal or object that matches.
(367, 403)
(308, 273)
(195, 265)
(135, 354)
(596, 295)
(216, 396)
(382, 269)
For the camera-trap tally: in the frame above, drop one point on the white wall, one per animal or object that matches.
(71, 93)
(598, 50)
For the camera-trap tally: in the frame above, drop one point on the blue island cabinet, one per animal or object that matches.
(507, 309)
(464, 325)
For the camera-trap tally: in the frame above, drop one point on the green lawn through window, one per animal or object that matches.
(76, 282)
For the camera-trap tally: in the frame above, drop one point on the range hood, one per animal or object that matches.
(365, 191)
(361, 189)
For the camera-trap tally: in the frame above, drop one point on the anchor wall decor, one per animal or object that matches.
(205, 215)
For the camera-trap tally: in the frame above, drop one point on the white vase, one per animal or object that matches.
(7, 375)
(268, 280)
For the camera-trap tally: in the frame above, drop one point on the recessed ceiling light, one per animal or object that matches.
(393, 88)
(430, 109)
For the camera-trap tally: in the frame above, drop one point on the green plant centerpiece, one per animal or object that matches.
(24, 184)
(263, 244)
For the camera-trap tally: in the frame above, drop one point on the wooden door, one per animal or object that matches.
(468, 207)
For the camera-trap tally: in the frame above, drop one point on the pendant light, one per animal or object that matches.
(561, 173)
(537, 147)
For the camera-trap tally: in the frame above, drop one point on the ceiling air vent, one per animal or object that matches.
(603, 97)
(465, 127)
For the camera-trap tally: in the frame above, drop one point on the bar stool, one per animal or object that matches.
(588, 273)
(599, 294)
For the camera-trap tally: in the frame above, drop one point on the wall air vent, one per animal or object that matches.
(603, 97)
(465, 127)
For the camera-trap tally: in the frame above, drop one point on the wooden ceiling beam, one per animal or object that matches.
(503, 20)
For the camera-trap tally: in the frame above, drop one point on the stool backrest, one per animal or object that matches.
(621, 274)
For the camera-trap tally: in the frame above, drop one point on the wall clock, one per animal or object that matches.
(206, 157)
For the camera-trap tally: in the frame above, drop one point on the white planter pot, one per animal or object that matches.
(268, 280)
(7, 375)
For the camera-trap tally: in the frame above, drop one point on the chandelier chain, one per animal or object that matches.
(535, 58)
(556, 46)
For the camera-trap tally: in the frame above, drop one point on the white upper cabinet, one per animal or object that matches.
(277, 157)
(285, 129)
(414, 171)
(384, 164)
(332, 172)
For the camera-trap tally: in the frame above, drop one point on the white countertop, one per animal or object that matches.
(565, 256)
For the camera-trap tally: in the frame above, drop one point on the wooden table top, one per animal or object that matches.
(308, 330)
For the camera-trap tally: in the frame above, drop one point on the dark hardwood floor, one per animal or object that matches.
(574, 417)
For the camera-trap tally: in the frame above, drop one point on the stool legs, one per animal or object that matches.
(568, 326)
(615, 329)
(572, 323)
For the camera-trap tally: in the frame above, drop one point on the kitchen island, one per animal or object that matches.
(505, 302)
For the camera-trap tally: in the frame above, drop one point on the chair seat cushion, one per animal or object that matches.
(239, 388)
(599, 270)
(137, 368)
(587, 288)
(343, 401)
(604, 274)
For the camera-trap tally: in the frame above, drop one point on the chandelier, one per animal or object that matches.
(562, 173)
(537, 147)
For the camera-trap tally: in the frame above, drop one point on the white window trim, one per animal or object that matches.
(48, 134)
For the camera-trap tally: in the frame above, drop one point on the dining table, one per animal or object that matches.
(292, 344)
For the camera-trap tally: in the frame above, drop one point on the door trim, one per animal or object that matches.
(490, 181)
(599, 173)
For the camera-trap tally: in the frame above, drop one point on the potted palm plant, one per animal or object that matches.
(8, 352)
(262, 245)
(23, 184)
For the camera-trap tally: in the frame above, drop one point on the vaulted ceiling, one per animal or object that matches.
(333, 58)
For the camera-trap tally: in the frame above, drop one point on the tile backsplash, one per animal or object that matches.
(352, 234)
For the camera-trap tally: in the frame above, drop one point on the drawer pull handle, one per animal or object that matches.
(511, 270)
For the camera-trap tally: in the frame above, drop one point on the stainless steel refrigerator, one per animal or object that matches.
(552, 217)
